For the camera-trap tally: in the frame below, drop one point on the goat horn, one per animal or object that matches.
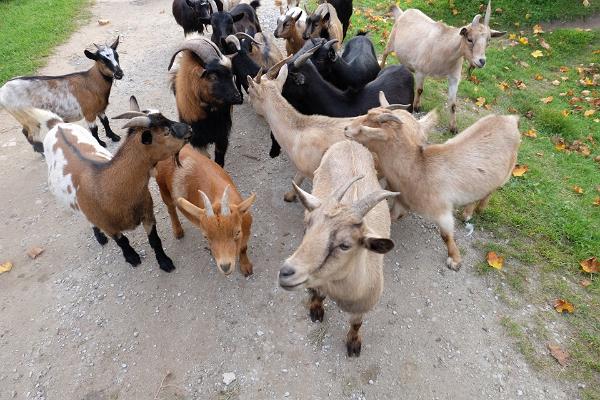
(488, 14)
(133, 104)
(382, 100)
(202, 47)
(225, 202)
(364, 205)
(309, 201)
(138, 122)
(302, 59)
(208, 210)
(274, 70)
(234, 41)
(130, 115)
(213, 6)
(259, 75)
(475, 21)
(244, 34)
(341, 191)
(393, 107)
(388, 117)
(98, 47)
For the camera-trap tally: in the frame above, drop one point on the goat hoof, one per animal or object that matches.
(317, 312)
(453, 130)
(416, 109)
(133, 259)
(100, 237)
(166, 264)
(101, 142)
(179, 233)
(353, 347)
(453, 265)
(289, 197)
(274, 152)
(246, 270)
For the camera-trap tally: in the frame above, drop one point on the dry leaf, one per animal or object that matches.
(585, 282)
(590, 265)
(564, 69)
(586, 3)
(559, 354)
(537, 54)
(596, 202)
(523, 40)
(103, 22)
(544, 44)
(547, 100)
(513, 36)
(577, 189)
(34, 252)
(520, 169)
(589, 113)
(474, 79)
(519, 84)
(556, 82)
(454, 11)
(503, 86)
(565, 113)
(494, 260)
(560, 144)
(537, 28)
(480, 101)
(512, 110)
(561, 305)
(538, 77)
(530, 133)
(7, 266)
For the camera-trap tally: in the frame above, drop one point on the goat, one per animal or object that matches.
(263, 50)
(242, 64)
(305, 138)
(432, 48)
(242, 18)
(204, 93)
(73, 96)
(356, 67)
(324, 23)
(343, 9)
(207, 196)
(189, 14)
(347, 232)
(290, 26)
(111, 192)
(434, 179)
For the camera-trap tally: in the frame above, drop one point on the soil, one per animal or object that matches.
(78, 322)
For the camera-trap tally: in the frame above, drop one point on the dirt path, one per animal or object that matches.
(79, 323)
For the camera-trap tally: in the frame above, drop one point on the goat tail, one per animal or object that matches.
(36, 122)
(396, 11)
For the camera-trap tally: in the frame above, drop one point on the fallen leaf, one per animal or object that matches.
(512, 110)
(494, 260)
(523, 40)
(559, 354)
(520, 84)
(539, 154)
(547, 100)
(520, 170)
(454, 11)
(34, 252)
(537, 54)
(538, 77)
(586, 3)
(561, 306)
(503, 86)
(584, 150)
(560, 144)
(596, 202)
(544, 44)
(480, 101)
(513, 36)
(589, 113)
(577, 189)
(564, 69)
(7, 266)
(565, 113)
(590, 265)
(530, 133)
(103, 22)
(537, 28)
(556, 82)
(585, 282)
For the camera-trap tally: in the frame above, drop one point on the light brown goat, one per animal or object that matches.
(347, 233)
(207, 196)
(265, 53)
(324, 22)
(434, 179)
(290, 26)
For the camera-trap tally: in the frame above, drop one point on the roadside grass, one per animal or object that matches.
(540, 223)
(30, 29)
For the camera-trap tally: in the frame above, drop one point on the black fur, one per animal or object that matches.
(242, 18)
(109, 133)
(242, 65)
(191, 18)
(131, 256)
(100, 236)
(215, 128)
(165, 263)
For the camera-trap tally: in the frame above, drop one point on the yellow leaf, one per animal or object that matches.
(520, 84)
(503, 86)
(538, 77)
(480, 101)
(564, 69)
(520, 169)
(561, 306)
(565, 113)
(537, 28)
(560, 145)
(513, 36)
(547, 100)
(590, 265)
(523, 40)
(494, 260)
(589, 113)
(530, 133)
(577, 189)
(7, 266)
(537, 54)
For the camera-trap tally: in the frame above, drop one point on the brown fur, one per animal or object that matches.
(191, 91)
(92, 90)
(333, 26)
(292, 33)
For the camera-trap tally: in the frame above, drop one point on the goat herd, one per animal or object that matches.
(343, 120)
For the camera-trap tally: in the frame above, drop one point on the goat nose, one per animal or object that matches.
(482, 61)
(226, 268)
(286, 271)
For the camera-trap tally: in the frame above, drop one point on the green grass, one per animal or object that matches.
(30, 29)
(544, 228)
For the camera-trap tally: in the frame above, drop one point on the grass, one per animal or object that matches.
(30, 29)
(544, 228)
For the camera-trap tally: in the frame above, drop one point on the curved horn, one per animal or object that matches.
(259, 75)
(97, 47)
(244, 34)
(208, 210)
(475, 21)
(234, 41)
(135, 122)
(213, 6)
(388, 117)
(309, 201)
(341, 191)
(274, 70)
(488, 14)
(364, 205)
(302, 59)
(393, 107)
(130, 115)
(382, 100)
(330, 43)
(202, 47)
(225, 202)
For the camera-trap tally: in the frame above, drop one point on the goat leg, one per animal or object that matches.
(109, 132)
(453, 82)
(315, 305)
(129, 253)
(353, 339)
(446, 223)
(164, 262)
(275, 147)
(94, 129)
(100, 236)
(220, 150)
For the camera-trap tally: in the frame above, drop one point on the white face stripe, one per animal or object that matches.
(109, 53)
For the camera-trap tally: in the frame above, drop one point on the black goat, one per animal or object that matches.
(344, 11)
(190, 14)
(241, 63)
(356, 67)
(242, 18)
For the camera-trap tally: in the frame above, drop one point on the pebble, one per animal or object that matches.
(228, 377)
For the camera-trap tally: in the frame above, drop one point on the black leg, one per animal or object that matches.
(100, 236)
(164, 261)
(94, 130)
(220, 150)
(129, 253)
(275, 148)
(109, 133)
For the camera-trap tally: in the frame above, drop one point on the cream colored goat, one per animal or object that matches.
(434, 179)
(347, 233)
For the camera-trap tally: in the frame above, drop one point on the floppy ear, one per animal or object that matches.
(115, 43)
(237, 17)
(378, 245)
(373, 133)
(146, 137)
(246, 204)
(90, 55)
(463, 32)
(496, 34)
(191, 212)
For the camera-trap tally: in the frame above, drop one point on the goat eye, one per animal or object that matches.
(345, 246)
(469, 40)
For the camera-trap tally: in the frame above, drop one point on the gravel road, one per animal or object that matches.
(80, 323)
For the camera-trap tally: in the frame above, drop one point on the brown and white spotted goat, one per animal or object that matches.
(72, 97)
(112, 192)
(207, 196)
(347, 233)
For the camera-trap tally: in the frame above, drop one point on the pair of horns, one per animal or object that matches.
(202, 47)
(112, 46)
(235, 40)
(486, 19)
(136, 117)
(208, 209)
(386, 104)
(273, 71)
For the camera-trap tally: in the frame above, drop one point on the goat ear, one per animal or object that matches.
(191, 212)
(463, 32)
(429, 121)
(373, 133)
(237, 17)
(90, 55)
(133, 104)
(325, 17)
(115, 43)
(282, 76)
(189, 3)
(496, 34)
(146, 137)
(378, 245)
(246, 204)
